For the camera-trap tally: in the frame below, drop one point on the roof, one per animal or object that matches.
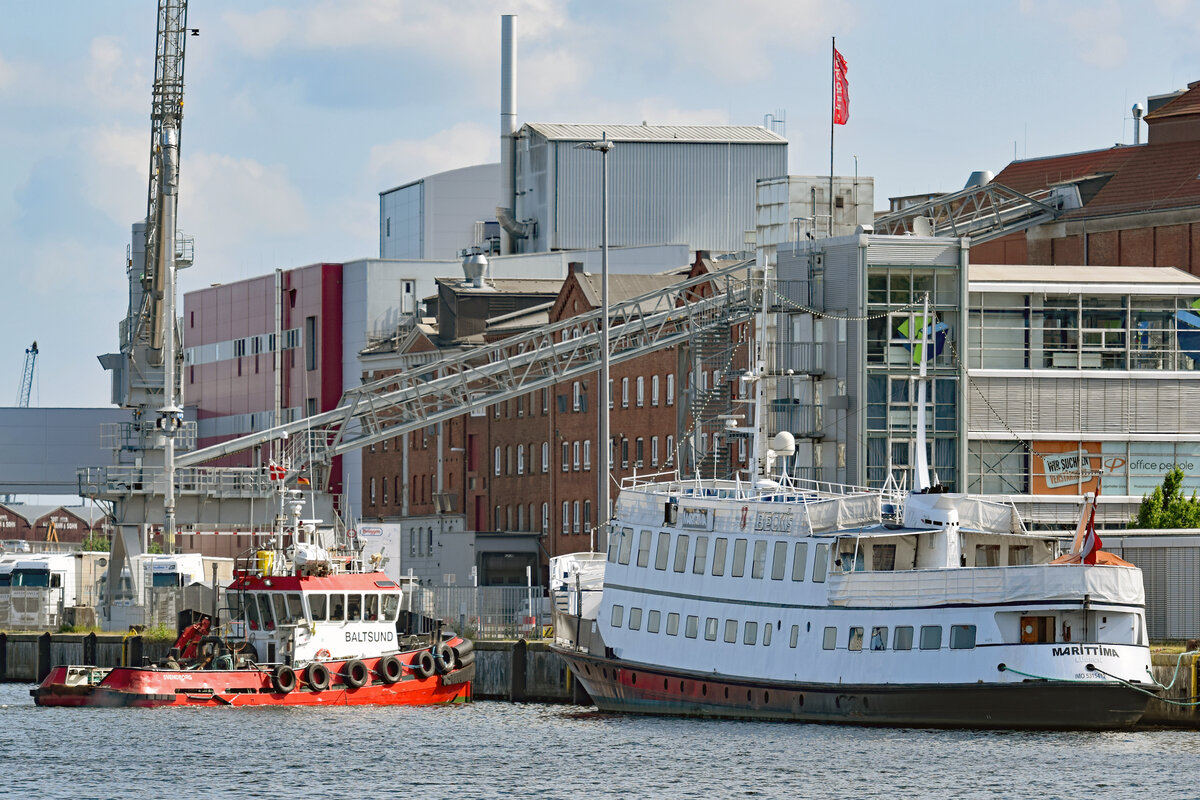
(1041, 273)
(714, 134)
(32, 513)
(623, 287)
(1185, 104)
(532, 317)
(504, 286)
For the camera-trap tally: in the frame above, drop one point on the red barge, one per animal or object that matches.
(301, 630)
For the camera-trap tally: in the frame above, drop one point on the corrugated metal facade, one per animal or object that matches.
(697, 193)
(1171, 573)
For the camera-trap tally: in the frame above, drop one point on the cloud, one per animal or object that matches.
(116, 175)
(234, 205)
(112, 81)
(733, 42)
(1098, 37)
(8, 74)
(404, 160)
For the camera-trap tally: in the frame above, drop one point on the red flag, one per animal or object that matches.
(275, 472)
(1091, 544)
(841, 90)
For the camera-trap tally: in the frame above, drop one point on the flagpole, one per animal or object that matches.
(832, 113)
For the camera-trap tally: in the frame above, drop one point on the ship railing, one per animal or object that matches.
(987, 586)
(785, 488)
(487, 612)
(125, 480)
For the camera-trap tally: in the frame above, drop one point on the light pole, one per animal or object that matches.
(602, 499)
(855, 191)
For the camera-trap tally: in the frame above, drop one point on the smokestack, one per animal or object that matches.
(508, 120)
(1137, 123)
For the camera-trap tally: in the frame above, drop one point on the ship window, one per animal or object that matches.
(264, 608)
(618, 614)
(681, 552)
(252, 613)
(931, 637)
(731, 626)
(795, 637)
(759, 567)
(821, 564)
(879, 637)
(660, 555)
(799, 561)
(295, 609)
(710, 629)
(698, 561)
(690, 626)
(317, 604)
(643, 548)
(779, 561)
(626, 545)
(987, 555)
(281, 611)
(962, 637)
(652, 621)
(854, 642)
(902, 638)
(750, 634)
(353, 607)
(673, 624)
(614, 543)
(1018, 555)
(720, 546)
(883, 557)
(337, 607)
(391, 605)
(635, 619)
(767, 634)
(371, 607)
(739, 558)
(830, 640)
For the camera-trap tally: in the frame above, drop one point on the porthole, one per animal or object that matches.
(681, 684)
(749, 696)
(704, 689)
(800, 700)
(664, 683)
(633, 677)
(766, 697)
(605, 671)
(726, 692)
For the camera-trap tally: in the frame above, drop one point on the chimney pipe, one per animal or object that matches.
(508, 121)
(1137, 123)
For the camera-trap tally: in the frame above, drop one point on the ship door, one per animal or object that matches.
(1037, 630)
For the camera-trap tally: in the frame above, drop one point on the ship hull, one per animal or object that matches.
(646, 689)
(148, 687)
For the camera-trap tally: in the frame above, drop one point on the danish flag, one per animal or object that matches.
(275, 472)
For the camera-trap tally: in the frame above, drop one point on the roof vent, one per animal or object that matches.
(474, 265)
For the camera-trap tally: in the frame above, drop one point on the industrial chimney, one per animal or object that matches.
(508, 126)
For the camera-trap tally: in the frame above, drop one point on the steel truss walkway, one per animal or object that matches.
(494, 373)
(982, 213)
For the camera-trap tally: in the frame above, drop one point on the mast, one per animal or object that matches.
(921, 478)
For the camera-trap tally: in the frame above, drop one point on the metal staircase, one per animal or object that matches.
(714, 367)
(982, 213)
(497, 372)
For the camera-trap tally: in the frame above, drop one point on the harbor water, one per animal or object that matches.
(497, 749)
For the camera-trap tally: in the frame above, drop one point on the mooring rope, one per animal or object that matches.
(1093, 668)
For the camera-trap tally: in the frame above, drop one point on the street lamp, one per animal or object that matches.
(603, 501)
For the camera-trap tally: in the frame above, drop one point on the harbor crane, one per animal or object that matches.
(31, 354)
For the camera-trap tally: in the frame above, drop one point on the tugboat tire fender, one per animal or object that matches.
(422, 664)
(389, 669)
(283, 679)
(355, 674)
(464, 647)
(444, 658)
(317, 677)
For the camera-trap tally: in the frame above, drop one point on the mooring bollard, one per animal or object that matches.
(43, 657)
(516, 677)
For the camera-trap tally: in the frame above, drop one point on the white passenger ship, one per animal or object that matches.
(785, 599)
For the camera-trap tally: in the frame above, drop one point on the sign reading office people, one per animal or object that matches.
(1137, 468)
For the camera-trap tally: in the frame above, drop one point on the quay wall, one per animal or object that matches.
(1181, 676)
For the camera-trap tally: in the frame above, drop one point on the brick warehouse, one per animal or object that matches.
(530, 464)
(1140, 204)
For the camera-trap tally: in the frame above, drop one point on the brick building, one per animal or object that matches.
(530, 465)
(1139, 204)
(32, 523)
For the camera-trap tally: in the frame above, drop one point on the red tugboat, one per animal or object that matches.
(302, 630)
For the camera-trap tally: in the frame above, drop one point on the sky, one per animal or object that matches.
(298, 113)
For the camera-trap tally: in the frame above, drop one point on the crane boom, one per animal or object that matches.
(31, 354)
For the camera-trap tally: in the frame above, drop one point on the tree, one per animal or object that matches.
(96, 542)
(1166, 507)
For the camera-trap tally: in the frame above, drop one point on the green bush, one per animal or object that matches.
(1166, 507)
